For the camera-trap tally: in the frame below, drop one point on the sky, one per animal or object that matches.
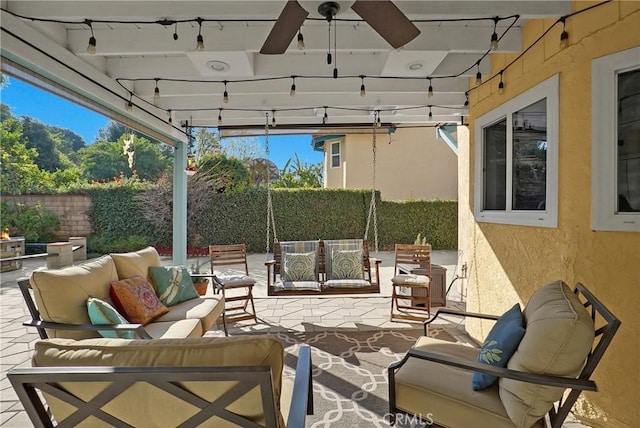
(27, 100)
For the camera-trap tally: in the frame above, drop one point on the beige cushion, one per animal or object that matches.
(145, 405)
(136, 263)
(231, 281)
(61, 294)
(206, 309)
(559, 335)
(178, 329)
(444, 392)
(410, 279)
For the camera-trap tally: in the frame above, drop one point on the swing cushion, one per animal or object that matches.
(347, 264)
(299, 266)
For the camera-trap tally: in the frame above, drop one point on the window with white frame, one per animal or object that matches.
(615, 146)
(335, 154)
(516, 163)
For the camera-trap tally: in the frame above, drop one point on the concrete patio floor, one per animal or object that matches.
(304, 313)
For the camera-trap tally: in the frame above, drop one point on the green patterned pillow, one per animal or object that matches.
(299, 266)
(347, 264)
(173, 284)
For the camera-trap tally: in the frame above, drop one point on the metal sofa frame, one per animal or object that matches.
(28, 382)
(558, 413)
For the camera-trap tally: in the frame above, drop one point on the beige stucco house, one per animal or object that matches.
(581, 221)
(411, 163)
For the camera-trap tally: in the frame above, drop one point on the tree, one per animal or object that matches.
(229, 174)
(206, 142)
(243, 148)
(113, 130)
(148, 161)
(19, 172)
(300, 174)
(103, 160)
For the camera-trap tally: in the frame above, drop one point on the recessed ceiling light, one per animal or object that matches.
(218, 66)
(414, 66)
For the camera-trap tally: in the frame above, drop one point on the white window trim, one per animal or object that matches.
(603, 137)
(331, 155)
(549, 217)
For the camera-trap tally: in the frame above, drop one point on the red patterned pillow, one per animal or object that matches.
(135, 298)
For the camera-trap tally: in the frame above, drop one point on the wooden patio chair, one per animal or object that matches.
(224, 280)
(409, 260)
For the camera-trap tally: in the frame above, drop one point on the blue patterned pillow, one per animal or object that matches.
(499, 346)
(173, 284)
(102, 313)
(299, 266)
(347, 264)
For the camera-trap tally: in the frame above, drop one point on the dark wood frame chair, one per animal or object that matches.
(557, 414)
(371, 274)
(233, 255)
(27, 382)
(407, 259)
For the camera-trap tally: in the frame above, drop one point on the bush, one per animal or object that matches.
(105, 244)
(35, 223)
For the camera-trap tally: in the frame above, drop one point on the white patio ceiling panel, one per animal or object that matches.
(149, 51)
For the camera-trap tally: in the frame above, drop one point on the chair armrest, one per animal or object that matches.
(375, 260)
(137, 328)
(535, 378)
(270, 262)
(302, 397)
(426, 323)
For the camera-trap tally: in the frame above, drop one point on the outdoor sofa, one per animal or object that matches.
(60, 307)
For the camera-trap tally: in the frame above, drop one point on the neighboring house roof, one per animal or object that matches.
(318, 141)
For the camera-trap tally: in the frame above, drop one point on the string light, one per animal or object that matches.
(175, 32)
(478, 75)
(494, 36)
(129, 103)
(225, 94)
(325, 118)
(169, 113)
(564, 36)
(199, 39)
(363, 90)
(430, 90)
(292, 92)
(378, 122)
(430, 113)
(300, 40)
(273, 118)
(501, 84)
(220, 117)
(465, 109)
(91, 47)
(156, 91)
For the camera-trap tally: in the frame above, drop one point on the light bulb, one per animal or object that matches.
(156, 93)
(501, 87)
(494, 41)
(363, 91)
(129, 106)
(430, 115)
(300, 41)
(478, 78)
(430, 91)
(292, 92)
(199, 43)
(91, 47)
(564, 39)
(225, 97)
(273, 122)
(219, 119)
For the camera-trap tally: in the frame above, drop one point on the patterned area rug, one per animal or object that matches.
(350, 387)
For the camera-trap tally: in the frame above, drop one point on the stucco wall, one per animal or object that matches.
(70, 209)
(415, 164)
(508, 263)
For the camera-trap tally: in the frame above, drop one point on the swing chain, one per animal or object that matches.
(271, 222)
(372, 206)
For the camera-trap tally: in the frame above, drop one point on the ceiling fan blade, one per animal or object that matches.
(387, 20)
(287, 25)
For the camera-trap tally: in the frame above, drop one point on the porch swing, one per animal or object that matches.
(316, 267)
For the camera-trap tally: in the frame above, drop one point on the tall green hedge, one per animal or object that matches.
(300, 214)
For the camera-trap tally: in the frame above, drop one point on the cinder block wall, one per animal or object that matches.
(70, 209)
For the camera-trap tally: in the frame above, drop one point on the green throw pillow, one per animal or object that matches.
(102, 313)
(173, 284)
(347, 264)
(299, 266)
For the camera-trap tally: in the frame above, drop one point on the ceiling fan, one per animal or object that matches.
(383, 16)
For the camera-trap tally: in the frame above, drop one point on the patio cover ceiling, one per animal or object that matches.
(131, 54)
